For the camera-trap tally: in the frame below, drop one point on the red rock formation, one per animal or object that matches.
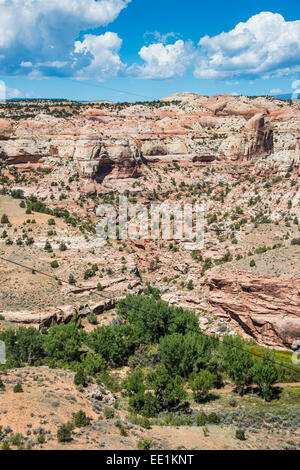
(258, 137)
(255, 141)
(268, 309)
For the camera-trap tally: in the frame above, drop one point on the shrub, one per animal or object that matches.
(54, 264)
(145, 444)
(41, 439)
(4, 219)
(62, 246)
(80, 378)
(123, 430)
(169, 390)
(135, 382)
(5, 446)
(148, 404)
(16, 439)
(88, 273)
(140, 421)
(201, 384)
(18, 388)
(17, 194)
(80, 419)
(95, 268)
(201, 419)
(92, 318)
(93, 363)
(213, 418)
(240, 434)
(252, 263)
(64, 433)
(48, 247)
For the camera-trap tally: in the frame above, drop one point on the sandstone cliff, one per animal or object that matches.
(268, 309)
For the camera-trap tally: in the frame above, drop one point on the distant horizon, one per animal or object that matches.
(283, 96)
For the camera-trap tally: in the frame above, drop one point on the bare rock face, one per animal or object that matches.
(258, 138)
(268, 309)
(5, 129)
(255, 141)
(20, 151)
(60, 314)
(114, 160)
(151, 149)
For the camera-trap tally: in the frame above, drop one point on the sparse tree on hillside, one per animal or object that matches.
(265, 374)
(4, 219)
(201, 384)
(64, 433)
(238, 362)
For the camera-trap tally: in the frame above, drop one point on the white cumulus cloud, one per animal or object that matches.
(164, 61)
(265, 46)
(40, 34)
(104, 50)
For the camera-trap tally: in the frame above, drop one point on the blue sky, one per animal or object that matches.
(128, 50)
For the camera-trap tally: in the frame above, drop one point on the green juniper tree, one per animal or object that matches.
(238, 362)
(201, 384)
(265, 374)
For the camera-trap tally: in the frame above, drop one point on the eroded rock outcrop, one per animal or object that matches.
(268, 309)
(256, 140)
(116, 160)
(60, 314)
